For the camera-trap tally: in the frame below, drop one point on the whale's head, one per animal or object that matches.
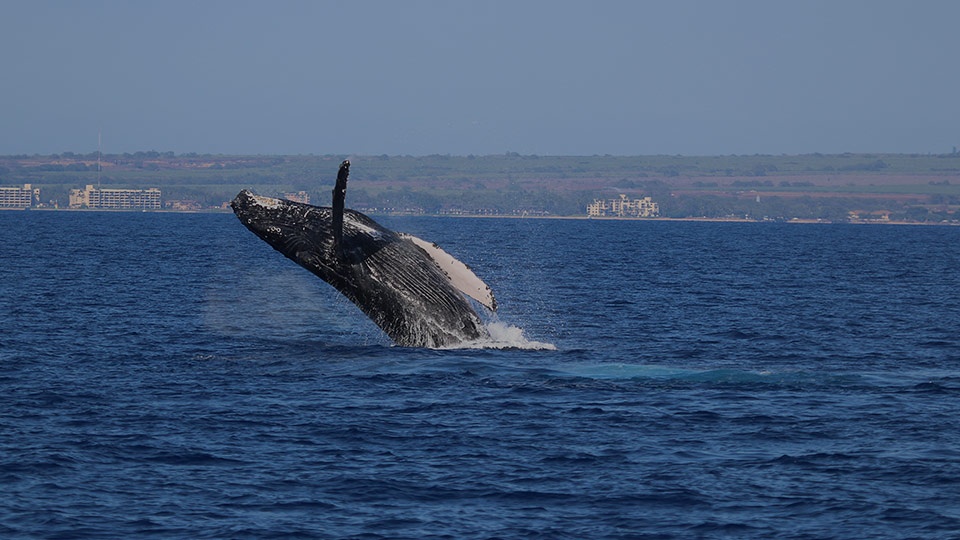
(265, 216)
(283, 224)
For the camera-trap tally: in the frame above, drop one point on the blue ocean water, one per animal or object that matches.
(170, 375)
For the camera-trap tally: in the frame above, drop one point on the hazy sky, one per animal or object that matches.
(486, 77)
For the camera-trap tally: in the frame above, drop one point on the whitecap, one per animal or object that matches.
(504, 336)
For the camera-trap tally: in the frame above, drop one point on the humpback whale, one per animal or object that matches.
(413, 290)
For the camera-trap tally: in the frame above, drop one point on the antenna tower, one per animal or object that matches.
(99, 133)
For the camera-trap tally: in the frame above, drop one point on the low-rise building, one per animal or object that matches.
(184, 205)
(300, 196)
(19, 197)
(120, 199)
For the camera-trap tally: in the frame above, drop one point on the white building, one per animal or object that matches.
(126, 199)
(300, 196)
(19, 197)
(623, 207)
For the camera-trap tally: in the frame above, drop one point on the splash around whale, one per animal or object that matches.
(413, 290)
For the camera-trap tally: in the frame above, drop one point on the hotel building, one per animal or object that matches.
(623, 207)
(300, 196)
(19, 197)
(120, 199)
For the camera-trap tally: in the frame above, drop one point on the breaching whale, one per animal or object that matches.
(413, 290)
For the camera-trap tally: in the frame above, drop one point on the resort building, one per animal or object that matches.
(623, 207)
(184, 206)
(19, 197)
(120, 199)
(300, 196)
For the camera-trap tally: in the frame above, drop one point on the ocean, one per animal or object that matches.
(171, 376)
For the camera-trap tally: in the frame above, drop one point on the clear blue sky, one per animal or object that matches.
(697, 77)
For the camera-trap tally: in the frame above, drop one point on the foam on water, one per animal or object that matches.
(622, 371)
(505, 336)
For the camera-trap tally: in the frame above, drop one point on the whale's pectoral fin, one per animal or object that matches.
(459, 274)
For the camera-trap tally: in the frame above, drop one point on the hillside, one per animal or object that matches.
(814, 186)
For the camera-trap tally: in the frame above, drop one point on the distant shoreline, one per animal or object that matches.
(696, 219)
(478, 216)
(898, 187)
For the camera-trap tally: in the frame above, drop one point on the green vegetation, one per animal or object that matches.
(813, 186)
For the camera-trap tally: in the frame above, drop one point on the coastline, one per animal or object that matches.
(702, 219)
(478, 216)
